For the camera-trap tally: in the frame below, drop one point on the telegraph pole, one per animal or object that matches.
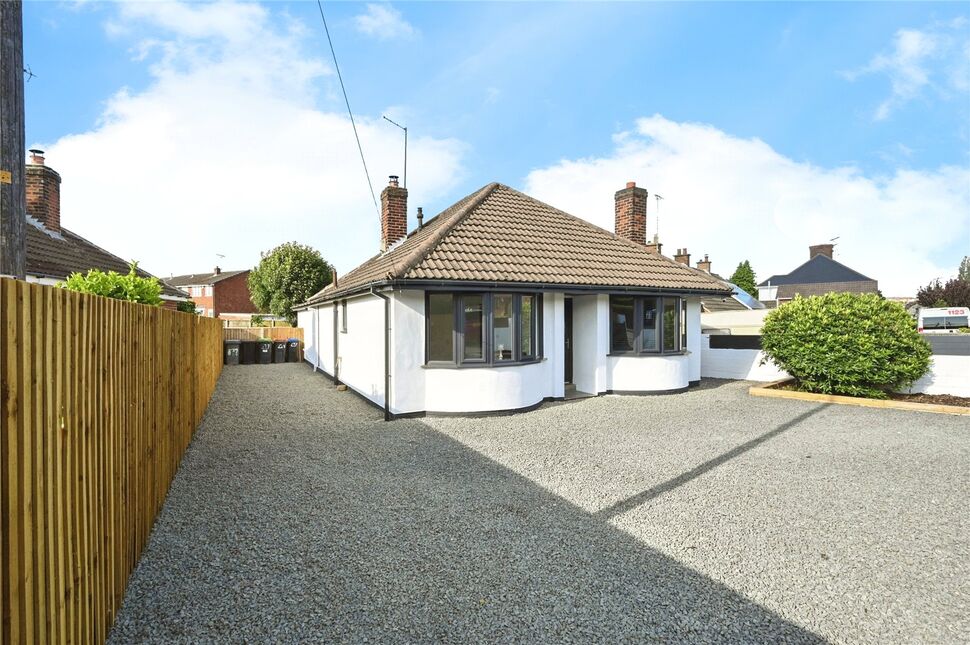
(13, 200)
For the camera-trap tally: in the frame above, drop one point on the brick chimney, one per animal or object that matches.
(821, 249)
(682, 256)
(631, 213)
(43, 188)
(705, 264)
(217, 270)
(655, 245)
(394, 213)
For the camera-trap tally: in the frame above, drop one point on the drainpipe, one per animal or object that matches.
(336, 379)
(387, 352)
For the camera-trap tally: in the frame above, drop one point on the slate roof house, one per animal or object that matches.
(54, 252)
(820, 275)
(216, 294)
(738, 300)
(500, 301)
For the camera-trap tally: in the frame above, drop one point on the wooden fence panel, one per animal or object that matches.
(255, 333)
(100, 399)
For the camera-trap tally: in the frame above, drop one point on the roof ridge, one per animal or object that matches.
(422, 250)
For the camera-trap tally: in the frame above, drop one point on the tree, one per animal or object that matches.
(286, 276)
(955, 293)
(846, 343)
(964, 271)
(743, 276)
(131, 287)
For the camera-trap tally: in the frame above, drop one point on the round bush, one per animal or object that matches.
(845, 343)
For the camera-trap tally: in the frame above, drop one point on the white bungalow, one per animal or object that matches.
(502, 302)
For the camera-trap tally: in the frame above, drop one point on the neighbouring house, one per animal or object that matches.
(502, 302)
(738, 300)
(54, 252)
(219, 294)
(820, 275)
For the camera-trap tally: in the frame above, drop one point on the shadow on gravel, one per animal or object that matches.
(298, 515)
(633, 501)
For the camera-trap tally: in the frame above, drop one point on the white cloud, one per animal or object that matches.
(227, 151)
(739, 199)
(936, 57)
(384, 22)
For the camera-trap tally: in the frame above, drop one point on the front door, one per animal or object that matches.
(568, 336)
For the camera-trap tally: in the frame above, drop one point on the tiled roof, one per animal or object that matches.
(498, 234)
(57, 255)
(820, 269)
(722, 303)
(195, 279)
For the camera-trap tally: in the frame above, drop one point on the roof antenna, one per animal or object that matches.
(405, 147)
(658, 198)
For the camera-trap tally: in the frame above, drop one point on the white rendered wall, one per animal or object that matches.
(487, 388)
(304, 320)
(694, 357)
(591, 338)
(360, 351)
(648, 373)
(742, 364)
(408, 376)
(947, 375)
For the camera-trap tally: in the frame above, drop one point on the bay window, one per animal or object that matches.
(469, 329)
(647, 325)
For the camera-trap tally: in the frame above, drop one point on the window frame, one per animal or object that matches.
(679, 333)
(488, 328)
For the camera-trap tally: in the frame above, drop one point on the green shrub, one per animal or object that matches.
(186, 306)
(131, 286)
(843, 343)
(256, 321)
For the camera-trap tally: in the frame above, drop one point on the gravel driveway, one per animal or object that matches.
(710, 516)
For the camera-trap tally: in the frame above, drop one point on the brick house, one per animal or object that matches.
(820, 275)
(218, 293)
(54, 252)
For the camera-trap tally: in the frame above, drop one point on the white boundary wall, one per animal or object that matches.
(947, 375)
(742, 364)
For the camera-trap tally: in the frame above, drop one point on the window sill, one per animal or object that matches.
(475, 366)
(682, 352)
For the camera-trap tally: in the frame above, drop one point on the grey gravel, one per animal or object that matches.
(710, 516)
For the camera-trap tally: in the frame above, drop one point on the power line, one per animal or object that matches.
(349, 111)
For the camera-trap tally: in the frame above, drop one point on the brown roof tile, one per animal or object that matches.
(58, 255)
(498, 234)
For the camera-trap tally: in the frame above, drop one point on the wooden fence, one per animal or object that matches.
(100, 399)
(255, 333)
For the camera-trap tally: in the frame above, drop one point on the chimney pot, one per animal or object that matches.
(705, 264)
(420, 218)
(37, 156)
(217, 271)
(631, 213)
(392, 180)
(682, 256)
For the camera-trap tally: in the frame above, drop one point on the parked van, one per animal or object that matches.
(943, 320)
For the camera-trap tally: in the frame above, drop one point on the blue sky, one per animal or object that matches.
(767, 127)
